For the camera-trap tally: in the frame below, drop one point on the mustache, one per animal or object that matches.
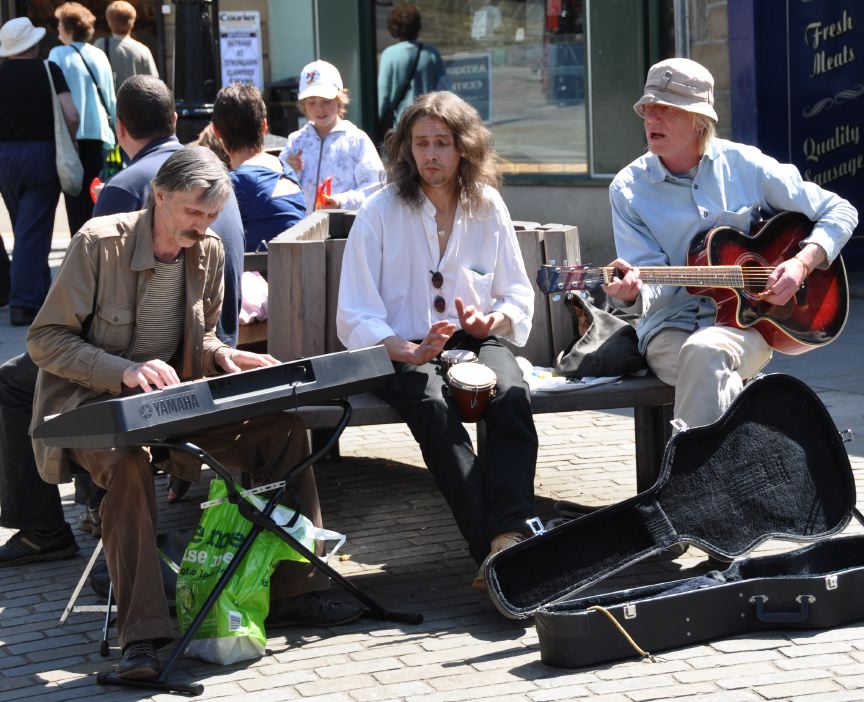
(192, 235)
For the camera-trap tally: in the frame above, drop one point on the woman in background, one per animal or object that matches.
(75, 57)
(28, 179)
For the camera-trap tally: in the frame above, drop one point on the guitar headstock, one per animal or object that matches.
(558, 279)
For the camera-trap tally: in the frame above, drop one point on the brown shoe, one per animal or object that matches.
(499, 543)
(140, 662)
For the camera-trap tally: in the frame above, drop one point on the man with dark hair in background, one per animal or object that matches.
(145, 128)
(407, 69)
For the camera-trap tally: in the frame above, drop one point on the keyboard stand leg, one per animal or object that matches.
(261, 521)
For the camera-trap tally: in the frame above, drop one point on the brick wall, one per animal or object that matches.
(709, 45)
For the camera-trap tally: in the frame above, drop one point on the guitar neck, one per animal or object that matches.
(699, 276)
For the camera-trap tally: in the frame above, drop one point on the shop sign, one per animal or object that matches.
(240, 47)
(470, 77)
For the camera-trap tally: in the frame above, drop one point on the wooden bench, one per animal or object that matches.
(304, 265)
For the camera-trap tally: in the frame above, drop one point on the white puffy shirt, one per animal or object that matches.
(346, 154)
(392, 250)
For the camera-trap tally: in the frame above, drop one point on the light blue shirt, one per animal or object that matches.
(94, 121)
(655, 216)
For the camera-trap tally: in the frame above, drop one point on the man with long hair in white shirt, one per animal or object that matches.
(432, 263)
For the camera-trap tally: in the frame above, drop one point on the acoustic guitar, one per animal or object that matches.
(732, 268)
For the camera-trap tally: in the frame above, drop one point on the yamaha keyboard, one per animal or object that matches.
(196, 405)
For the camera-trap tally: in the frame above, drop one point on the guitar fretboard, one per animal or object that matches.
(707, 276)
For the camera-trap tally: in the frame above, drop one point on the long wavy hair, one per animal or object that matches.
(478, 166)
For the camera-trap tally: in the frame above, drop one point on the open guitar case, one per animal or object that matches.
(773, 466)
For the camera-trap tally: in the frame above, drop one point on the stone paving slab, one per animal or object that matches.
(406, 552)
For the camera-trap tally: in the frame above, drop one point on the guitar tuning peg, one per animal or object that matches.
(566, 263)
(556, 298)
(551, 262)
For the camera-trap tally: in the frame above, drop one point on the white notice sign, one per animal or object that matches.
(240, 47)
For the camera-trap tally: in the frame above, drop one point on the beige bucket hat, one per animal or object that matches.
(679, 82)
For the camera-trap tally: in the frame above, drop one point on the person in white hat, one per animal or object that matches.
(28, 179)
(687, 183)
(336, 161)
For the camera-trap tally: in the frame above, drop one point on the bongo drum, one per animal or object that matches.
(451, 357)
(472, 385)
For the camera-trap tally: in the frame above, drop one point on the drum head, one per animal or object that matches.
(471, 375)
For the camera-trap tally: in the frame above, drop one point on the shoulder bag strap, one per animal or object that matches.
(408, 80)
(95, 83)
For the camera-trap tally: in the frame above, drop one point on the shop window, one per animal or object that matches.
(521, 63)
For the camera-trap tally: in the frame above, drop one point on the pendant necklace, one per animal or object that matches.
(444, 229)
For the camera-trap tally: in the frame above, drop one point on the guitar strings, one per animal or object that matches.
(717, 276)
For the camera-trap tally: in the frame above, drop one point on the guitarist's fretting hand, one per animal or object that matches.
(626, 289)
(789, 276)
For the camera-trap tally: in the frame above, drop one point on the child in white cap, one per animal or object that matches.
(329, 146)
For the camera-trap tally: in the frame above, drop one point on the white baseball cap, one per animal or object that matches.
(319, 79)
(18, 35)
(681, 83)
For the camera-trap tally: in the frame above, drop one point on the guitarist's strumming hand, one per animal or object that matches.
(405, 351)
(626, 288)
(787, 278)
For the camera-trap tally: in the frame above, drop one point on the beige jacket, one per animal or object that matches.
(84, 331)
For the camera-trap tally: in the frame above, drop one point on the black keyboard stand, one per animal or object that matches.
(261, 521)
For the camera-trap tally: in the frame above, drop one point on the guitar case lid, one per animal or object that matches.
(772, 466)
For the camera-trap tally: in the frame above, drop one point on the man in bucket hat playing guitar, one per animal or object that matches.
(690, 182)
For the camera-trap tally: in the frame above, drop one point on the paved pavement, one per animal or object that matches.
(404, 550)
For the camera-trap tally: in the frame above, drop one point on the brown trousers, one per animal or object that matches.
(128, 513)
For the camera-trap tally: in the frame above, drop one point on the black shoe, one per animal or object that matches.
(31, 546)
(140, 662)
(311, 609)
(21, 316)
(177, 487)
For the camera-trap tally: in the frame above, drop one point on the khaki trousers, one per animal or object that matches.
(708, 367)
(128, 513)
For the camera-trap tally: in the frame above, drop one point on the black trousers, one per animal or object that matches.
(486, 498)
(26, 501)
(79, 209)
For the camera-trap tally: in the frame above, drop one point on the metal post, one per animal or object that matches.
(197, 78)
(682, 29)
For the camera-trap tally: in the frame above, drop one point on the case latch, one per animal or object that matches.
(678, 424)
(536, 526)
(830, 582)
(629, 611)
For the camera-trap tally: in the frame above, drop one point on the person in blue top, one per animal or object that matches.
(688, 182)
(91, 81)
(268, 192)
(407, 69)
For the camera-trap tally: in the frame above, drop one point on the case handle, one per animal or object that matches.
(804, 602)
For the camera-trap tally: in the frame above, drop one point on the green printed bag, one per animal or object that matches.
(233, 629)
